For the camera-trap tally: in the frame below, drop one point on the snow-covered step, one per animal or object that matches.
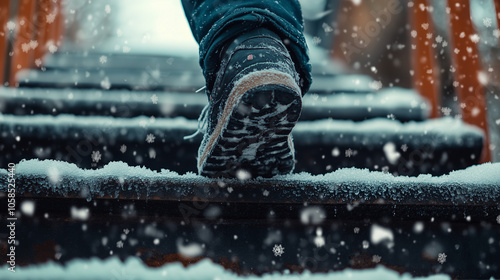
(349, 218)
(159, 69)
(401, 104)
(434, 146)
(101, 60)
(173, 79)
(476, 185)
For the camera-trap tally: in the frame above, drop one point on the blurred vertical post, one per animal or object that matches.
(426, 79)
(468, 75)
(23, 39)
(58, 29)
(4, 34)
(45, 24)
(497, 12)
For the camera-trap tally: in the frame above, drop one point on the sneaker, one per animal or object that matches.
(254, 104)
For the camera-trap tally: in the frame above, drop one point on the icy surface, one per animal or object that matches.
(133, 268)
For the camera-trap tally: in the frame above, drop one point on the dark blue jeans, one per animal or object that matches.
(215, 23)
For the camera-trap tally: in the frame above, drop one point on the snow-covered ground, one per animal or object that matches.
(133, 268)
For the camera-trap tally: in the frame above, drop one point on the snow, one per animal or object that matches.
(133, 268)
(442, 131)
(479, 183)
(68, 127)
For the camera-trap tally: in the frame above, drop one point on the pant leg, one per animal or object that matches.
(215, 23)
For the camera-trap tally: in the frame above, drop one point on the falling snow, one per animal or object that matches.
(498, 219)
(350, 152)
(50, 18)
(278, 250)
(154, 98)
(446, 111)
(106, 84)
(119, 244)
(11, 26)
(475, 38)
(404, 147)
(123, 149)
(103, 59)
(487, 22)
(441, 258)
(96, 156)
(376, 258)
(150, 138)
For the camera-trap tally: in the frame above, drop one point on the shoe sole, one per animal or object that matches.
(253, 134)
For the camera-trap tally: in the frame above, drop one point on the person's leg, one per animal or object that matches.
(254, 58)
(215, 23)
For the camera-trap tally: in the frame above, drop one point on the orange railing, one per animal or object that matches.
(465, 60)
(34, 28)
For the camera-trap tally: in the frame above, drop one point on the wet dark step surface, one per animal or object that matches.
(434, 146)
(347, 219)
(401, 104)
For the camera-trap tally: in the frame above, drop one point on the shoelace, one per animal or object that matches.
(202, 123)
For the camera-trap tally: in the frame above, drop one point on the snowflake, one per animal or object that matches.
(316, 40)
(350, 152)
(119, 244)
(376, 258)
(376, 85)
(475, 38)
(25, 47)
(327, 28)
(126, 231)
(106, 84)
(487, 22)
(52, 47)
(278, 250)
(33, 44)
(154, 98)
(96, 156)
(11, 25)
(496, 33)
(123, 149)
(265, 193)
(446, 111)
(439, 39)
(38, 62)
(356, 230)
(103, 59)
(498, 219)
(391, 116)
(50, 18)
(404, 147)
(150, 138)
(442, 258)
(107, 9)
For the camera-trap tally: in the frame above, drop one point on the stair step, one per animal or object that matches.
(401, 104)
(101, 60)
(476, 185)
(169, 80)
(133, 211)
(435, 146)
